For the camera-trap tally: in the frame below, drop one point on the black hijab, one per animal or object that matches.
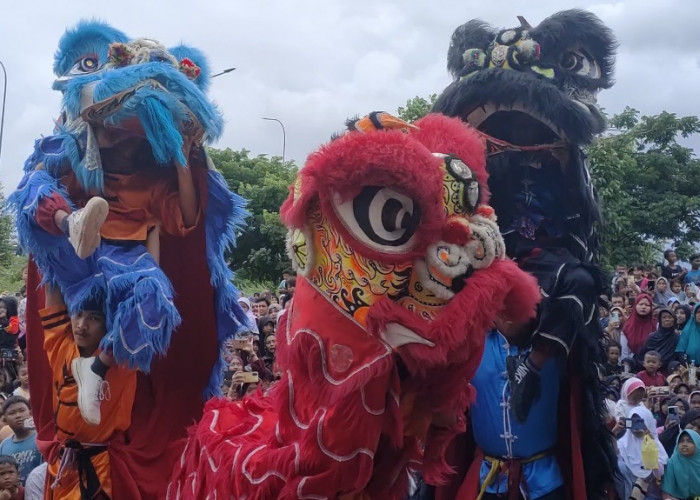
(669, 436)
(688, 314)
(663, 340)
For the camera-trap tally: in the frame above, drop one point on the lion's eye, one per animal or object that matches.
(85, 65)
(382, 218)
(580, 63)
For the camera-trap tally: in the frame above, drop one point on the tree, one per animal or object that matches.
(260, 254)
(416, 108)
(649, 186)
(6, 247)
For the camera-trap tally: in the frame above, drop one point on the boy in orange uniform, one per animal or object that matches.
(80, 467)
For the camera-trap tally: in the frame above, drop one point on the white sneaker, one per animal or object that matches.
(92, 389)
(84, 226)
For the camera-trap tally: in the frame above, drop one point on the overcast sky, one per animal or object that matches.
(313, 63)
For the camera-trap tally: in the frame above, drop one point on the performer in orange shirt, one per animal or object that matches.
(80, 465)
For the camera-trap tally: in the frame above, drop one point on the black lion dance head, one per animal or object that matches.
(531, 92)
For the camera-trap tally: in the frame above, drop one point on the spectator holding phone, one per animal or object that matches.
(631, 396)
(639, 476)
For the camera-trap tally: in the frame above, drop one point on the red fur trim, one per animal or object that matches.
(441, 134)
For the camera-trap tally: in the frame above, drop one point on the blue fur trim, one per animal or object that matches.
(225, 216)
(180, 89)
(86, 38)
(196, 56)
(142, 298)
(23, 204)
(155, 341)
(156, 118)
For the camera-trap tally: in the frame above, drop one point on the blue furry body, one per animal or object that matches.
(162, 101)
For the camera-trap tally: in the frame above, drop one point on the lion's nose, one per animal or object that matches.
(457, 231)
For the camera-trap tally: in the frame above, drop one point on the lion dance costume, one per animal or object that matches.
(401, 271)
(531, 95)
(166, 317)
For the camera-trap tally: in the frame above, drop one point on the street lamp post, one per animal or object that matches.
(4, 98)
(228, 70)
(284, 135)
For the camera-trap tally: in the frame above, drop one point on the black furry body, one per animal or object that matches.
(536, 87)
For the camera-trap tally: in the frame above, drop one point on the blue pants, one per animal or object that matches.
(137, 296)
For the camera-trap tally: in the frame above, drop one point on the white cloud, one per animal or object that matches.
(313, 63)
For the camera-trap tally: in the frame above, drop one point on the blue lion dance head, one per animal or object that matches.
(128, 89)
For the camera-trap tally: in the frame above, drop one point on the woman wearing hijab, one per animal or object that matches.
(662, 292)
(689, 343)
(683, 314)
(639, 481)
(664, 340)
(252, 321)
(669, 436)
(682, 477)
(639, 325)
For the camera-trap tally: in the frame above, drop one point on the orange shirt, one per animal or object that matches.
(137, 203)
(116, 411)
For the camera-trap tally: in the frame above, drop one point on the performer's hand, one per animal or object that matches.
(187, 143)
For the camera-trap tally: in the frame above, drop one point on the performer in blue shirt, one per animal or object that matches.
(518, 456)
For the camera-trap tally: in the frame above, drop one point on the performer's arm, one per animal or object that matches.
(188, 193)
(53, 297)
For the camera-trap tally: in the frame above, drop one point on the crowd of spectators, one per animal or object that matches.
(250, 358)
(651, 325)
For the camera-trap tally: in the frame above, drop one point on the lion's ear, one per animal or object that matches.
(474, 34)
(196, 56)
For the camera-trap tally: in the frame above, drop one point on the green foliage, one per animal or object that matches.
(649, 185)
(7, 249)
(260, 256)
(416, 108)
(11, 274)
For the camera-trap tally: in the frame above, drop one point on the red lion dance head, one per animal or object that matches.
(401, 271)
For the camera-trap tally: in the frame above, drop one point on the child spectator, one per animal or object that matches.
(664, 340)
(651, 376)
(689, 343)
(10, 487)
(22, 445)
(612, 364)
(682, 476)
(631, 396)
(638, 480)
(23, 377)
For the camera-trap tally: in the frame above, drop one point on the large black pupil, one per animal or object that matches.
(569, 60)
(390, 210)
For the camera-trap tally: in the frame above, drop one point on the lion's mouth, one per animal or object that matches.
(515, 125)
